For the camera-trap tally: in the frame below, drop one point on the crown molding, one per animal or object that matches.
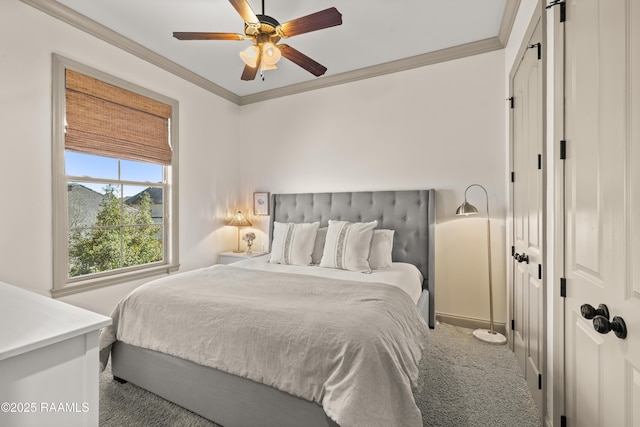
(448, 54)
(75, 19)
(508, 18)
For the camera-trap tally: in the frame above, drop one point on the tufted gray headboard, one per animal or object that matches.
(411, 213)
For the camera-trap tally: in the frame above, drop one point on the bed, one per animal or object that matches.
(240, 398)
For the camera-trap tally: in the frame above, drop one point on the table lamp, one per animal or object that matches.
(239, 220)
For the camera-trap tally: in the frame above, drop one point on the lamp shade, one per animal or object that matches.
(264, 66)
(250, 56)
(270, 54)
(239, 220)
(466, 209)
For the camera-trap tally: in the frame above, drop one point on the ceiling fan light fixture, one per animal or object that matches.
(250, 56)
(265, 32)
(270, 54)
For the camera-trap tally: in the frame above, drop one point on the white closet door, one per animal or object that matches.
(528, 293)
(602, 210)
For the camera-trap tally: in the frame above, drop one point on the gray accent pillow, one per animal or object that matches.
(381, 248)
(316, 255)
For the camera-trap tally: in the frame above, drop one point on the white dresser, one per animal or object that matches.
(48, 361)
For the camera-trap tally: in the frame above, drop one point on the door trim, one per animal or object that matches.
(558, 224)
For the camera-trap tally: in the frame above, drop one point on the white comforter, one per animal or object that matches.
(352, 347)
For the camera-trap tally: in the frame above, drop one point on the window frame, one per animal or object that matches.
(62, 284)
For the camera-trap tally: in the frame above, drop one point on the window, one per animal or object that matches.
(115, 180)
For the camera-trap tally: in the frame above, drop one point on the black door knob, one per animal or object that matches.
(617, 325)
(588, 312)
(521, 258)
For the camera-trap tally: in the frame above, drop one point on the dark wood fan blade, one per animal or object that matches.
(245, 11)
(208, 36)
(316, 21)
(302, 60)
(249, 73)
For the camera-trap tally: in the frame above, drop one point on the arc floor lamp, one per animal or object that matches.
(486, 335)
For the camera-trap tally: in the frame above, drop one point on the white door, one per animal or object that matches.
(527, 197)
(602, 210)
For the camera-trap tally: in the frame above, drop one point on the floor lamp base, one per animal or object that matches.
(491, 338)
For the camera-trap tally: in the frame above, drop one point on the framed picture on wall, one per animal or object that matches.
(260, 203)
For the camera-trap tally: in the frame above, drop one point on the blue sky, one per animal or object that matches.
(80, 165)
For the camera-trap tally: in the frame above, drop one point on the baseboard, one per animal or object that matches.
(468, 322)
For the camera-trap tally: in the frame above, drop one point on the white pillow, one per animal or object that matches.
(381, 248)
(348, 245)
(293, 243)
(318, 248)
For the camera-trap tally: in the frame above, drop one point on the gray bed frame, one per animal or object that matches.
(232, 401)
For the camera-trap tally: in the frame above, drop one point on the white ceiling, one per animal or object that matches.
(373, 32)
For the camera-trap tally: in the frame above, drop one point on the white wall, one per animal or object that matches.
(440, 126)
(208, 127)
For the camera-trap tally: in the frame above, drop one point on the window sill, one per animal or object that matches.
(102, 282)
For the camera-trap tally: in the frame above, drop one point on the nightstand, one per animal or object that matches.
(229, 257)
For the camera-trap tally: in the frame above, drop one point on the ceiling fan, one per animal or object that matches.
(265, 32)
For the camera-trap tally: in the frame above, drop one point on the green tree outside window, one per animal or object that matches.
(123, 236)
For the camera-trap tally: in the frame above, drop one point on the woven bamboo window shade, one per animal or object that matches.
(106, 120)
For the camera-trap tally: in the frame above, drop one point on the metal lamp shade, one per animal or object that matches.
(466, 209)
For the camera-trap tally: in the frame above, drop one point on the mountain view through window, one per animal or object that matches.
(115, 213)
